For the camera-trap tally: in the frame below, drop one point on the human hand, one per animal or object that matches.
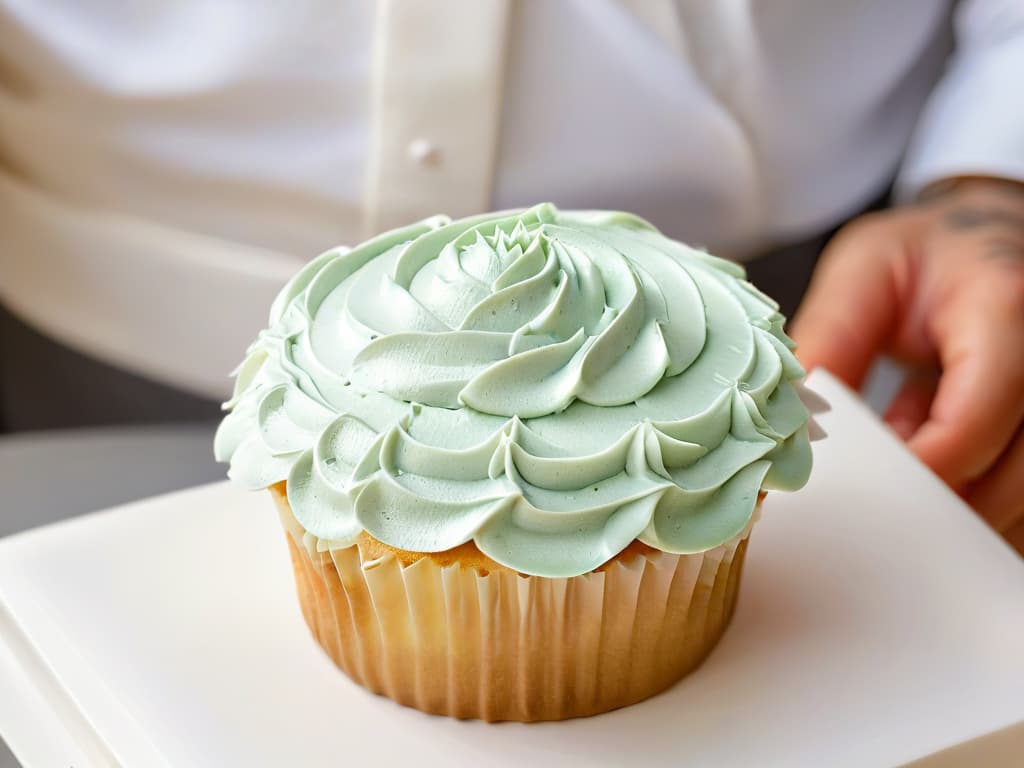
(939, 285)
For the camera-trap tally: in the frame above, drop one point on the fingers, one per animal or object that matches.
(909, 409)
(999, 495)
(849, 311)
(980, 400)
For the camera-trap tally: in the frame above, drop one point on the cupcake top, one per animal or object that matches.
(549, 384)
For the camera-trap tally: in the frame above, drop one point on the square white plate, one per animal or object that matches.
(880, 622)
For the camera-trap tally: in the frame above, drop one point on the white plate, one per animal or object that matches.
(880, 622)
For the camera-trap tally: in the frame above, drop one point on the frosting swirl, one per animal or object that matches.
(549, 384)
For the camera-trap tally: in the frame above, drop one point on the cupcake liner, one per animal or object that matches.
(499, 645)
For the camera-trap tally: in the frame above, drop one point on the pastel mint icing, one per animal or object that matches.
(549, 384)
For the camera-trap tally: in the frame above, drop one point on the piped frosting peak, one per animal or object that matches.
(549, 384)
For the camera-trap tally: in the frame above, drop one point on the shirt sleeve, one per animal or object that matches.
(973, 122)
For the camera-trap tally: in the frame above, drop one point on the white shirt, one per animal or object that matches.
(164, 167)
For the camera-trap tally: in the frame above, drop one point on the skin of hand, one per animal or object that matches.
(939, 285)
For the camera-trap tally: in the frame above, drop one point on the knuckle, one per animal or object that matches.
(866, 225)
(853, 237)
(875, 233)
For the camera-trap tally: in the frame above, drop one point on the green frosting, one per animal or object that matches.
(549, 384)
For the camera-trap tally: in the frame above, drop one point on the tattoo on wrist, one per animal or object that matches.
(1005, 188)
(975, 217)
(1003, 230)
(1001, 250)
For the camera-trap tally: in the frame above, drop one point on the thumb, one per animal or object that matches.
(849, 310)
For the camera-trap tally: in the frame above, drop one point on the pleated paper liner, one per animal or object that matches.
(497, 645)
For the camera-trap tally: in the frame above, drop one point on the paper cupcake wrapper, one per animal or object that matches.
(499, 645)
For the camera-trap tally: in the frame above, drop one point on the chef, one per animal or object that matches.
(165, 167)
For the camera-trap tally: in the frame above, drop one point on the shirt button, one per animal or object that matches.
(423, 152)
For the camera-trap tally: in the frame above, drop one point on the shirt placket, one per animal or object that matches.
(435, 109)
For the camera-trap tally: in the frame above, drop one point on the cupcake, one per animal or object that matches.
(517, 457)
